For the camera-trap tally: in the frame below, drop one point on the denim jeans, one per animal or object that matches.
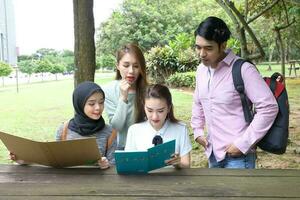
(242, 162)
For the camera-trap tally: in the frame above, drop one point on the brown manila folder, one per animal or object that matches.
(55, 154)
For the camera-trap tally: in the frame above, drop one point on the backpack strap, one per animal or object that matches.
(110, 140)
(240, 88)
(65, 131)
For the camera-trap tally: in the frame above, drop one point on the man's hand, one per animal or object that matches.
(233, 151)
(203, 141)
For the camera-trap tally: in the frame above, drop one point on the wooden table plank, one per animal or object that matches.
(172, 187)
(162, 172)
(84, 183)
(132, 198)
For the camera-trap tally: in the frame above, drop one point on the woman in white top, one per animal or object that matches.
(157, 125)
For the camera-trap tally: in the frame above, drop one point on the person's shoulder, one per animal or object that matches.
(111, 85)
(138, 125)
(246, 65)
(60, 127)
(111, 89)
(178, 126)
(107, 130)
(59, 131)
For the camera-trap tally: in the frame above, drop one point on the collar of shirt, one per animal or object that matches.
(227, 61)
(161, 131)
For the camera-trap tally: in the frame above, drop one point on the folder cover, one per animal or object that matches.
(141, 162)
(55, 154)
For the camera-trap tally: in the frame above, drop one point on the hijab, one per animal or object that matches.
(81, 123)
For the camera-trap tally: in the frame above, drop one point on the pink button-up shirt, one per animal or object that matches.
(217, 106)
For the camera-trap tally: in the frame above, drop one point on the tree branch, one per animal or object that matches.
(228, 11)
(252, 18)
(284, 26)
(245, 25)
(254, 56)
(239, 30)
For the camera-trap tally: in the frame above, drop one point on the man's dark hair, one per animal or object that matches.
(213, 28)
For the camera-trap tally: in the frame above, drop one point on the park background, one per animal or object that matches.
(267, 32)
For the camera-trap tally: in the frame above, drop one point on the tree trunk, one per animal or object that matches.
(271, 50)
(84, 50)
(243, 41)
(241, 26)
(281, 49)
(247, 28)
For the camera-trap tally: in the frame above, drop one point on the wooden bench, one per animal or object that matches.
(293, 67)
(35, 182)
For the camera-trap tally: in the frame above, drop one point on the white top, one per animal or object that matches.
(140, 136)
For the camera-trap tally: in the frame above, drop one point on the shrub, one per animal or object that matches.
(161, 63)
(5, 69)
(177, 56)
(106, 61)
(186, 79)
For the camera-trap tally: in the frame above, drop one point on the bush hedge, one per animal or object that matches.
(186, 79)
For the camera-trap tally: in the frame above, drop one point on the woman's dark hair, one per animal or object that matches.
(159, 91)
(213, 28)
(141, 82)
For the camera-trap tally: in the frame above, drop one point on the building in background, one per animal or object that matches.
(8, 51)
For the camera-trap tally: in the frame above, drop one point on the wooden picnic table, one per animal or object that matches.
(37, 182)
(293, 67)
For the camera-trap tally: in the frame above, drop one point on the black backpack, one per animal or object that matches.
(276, 139)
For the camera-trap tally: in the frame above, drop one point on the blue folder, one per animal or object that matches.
(141, 162)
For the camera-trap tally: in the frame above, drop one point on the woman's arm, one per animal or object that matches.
(179, 162)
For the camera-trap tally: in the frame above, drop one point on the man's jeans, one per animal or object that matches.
(242, 162)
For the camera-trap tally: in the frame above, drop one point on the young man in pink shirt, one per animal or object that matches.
(230, 141)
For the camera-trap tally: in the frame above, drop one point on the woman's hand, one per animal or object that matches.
(103, 163)
(174, 160)
(13, 157)
(124, 88)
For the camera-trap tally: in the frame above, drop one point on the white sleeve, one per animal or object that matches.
(185, 145)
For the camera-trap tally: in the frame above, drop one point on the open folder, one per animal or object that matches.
(141, 162)
(55, 154)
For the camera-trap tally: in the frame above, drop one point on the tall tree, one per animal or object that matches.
(151, 23)
(281, 20)
(84, 50)
(241, 20)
